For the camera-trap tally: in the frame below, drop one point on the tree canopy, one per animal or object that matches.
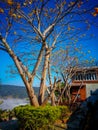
(34, 31)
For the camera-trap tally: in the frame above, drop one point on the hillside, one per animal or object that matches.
(14, 91)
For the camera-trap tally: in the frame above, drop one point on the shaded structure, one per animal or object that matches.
(84, 83)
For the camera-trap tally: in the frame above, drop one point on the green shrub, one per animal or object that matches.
(32, 118)
(1, 102)
(64, 110)
(4, 115)
(0, 115)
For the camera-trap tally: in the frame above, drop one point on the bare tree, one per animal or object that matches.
(44, 24)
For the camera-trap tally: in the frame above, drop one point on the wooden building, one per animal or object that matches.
(84, 83)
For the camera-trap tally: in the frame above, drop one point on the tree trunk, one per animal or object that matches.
(30, 90)
(53, 99)
(38, 62)
(32, 96)
(69, 96)
(60, 97)
(50, 82)
(50, 95)
(43, 78)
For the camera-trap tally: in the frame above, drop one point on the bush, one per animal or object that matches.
(1, 102)
(64, 110)
(32, 118)
(4, 115)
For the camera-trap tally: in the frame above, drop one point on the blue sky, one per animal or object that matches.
(5, 77)
(5, 60)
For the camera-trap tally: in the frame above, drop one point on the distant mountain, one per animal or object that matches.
(14, 91)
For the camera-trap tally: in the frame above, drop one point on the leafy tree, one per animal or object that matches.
(37, 28)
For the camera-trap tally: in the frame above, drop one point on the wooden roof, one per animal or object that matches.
(79, 82)
(87, 68)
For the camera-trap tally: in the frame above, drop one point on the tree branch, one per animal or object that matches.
(28, 19)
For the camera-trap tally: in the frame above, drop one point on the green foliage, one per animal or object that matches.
(64, 110)
(0, 112)
(38, 118)
(1, 102)
(6, 115)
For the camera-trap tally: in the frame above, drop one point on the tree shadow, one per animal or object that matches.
(85, 117)
(9, 125)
